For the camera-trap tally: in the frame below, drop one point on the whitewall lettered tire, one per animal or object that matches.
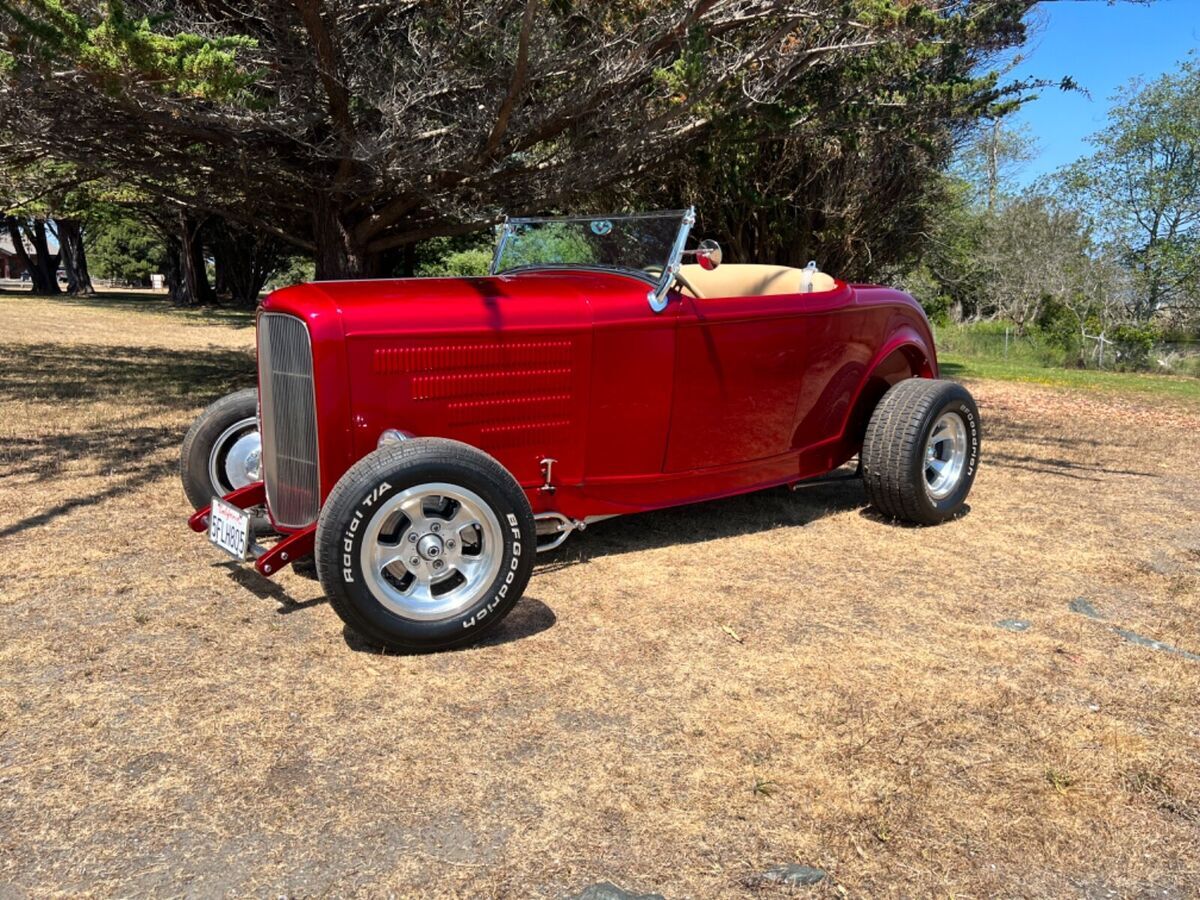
(921, 451)
(424, 545)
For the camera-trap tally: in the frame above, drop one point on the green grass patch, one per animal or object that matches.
(1175, 387)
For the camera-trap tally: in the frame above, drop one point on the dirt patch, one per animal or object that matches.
(169, 724)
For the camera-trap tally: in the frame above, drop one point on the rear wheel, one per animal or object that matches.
(921, 451)
(425, 545)
(222, 449)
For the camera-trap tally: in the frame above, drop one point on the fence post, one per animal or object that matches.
(1006, 342)
(1102, 349)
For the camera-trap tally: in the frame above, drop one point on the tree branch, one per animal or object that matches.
(516, 85)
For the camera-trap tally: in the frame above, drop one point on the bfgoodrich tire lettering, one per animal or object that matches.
(920, 429)
(370, 518)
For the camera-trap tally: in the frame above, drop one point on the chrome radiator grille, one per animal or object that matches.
(289, 420)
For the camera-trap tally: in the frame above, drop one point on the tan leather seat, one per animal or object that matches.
(747, 280)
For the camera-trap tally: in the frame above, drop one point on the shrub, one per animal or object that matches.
(458, 263)
(1133, 344)
(293, 270)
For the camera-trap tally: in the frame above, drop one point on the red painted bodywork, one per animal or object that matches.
(640, 410)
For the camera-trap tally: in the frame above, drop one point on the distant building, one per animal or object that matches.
(10, 263)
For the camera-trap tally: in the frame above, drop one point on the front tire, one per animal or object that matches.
(222, 449)
(425, 545)
(921, 451)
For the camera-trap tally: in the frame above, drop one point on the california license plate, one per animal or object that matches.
(229, 528)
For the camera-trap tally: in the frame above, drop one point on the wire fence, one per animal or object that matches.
(1092, 351)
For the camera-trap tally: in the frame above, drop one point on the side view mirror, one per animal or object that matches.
(708, 255)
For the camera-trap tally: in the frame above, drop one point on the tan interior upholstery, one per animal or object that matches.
(745, 280)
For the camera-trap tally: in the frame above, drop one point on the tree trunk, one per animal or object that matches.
(46, 262)
(41, 266)
(74, 257)
(245, 259)
(339, 255)
(221, 275)
(187, 279)
(408, 265)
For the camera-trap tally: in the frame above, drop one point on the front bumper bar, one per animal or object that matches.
(268, 559)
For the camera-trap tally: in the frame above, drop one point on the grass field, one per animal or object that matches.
(1176, 387)
(681, 701)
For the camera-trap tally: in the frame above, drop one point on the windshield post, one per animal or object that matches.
(658, 296)
(504, 229)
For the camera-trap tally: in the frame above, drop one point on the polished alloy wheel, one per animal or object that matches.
(236, 457)
(945, 455)
(431, 551)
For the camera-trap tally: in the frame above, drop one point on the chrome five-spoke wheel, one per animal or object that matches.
(945, 455)
(431, 551)
(425, 544)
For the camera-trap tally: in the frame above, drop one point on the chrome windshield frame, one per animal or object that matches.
(657, 297)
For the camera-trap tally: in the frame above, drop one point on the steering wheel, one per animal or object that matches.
(687, 286)
(656, 271)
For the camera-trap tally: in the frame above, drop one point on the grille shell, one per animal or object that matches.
(288, 420)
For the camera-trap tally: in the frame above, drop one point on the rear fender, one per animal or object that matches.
(906, 355)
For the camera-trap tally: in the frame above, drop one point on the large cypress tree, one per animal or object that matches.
(353, 130)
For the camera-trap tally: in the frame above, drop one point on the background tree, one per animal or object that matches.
(1142, 189)
(354, 131)
(1033, 252)
(30, 239)
(244, 259)
(73, 254)
(958, 221)
(46, 200)
(124, 248)
(991, 161)
(848, 177)
(949, 279)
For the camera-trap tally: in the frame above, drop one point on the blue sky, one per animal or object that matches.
(1102, 47)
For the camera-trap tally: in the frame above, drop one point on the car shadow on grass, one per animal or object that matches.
(872, 514)
(701, 522)
(529, 617)
(264, 588)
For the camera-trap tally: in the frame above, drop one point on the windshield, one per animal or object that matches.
(640, 244)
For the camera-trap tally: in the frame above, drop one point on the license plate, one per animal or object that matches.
(229, 528)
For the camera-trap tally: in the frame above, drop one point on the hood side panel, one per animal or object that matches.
(505, 370)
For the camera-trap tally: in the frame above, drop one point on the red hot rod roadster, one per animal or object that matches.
(421, 439)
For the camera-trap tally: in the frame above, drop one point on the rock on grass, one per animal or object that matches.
(794, 875)
(606, 890)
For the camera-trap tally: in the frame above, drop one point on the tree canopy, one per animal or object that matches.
(354, 130)
(1141, 188)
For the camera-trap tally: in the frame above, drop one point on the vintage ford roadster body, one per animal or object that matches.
(421, 439)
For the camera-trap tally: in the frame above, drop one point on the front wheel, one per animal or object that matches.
(921, 451)
(222, 450)
(424, 545)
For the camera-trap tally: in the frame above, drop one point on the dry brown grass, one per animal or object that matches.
(172, 724)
